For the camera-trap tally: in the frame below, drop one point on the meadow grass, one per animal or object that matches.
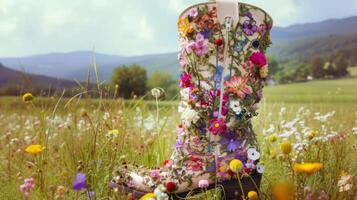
(76, 135)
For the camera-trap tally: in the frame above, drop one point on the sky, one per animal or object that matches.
(126, 27)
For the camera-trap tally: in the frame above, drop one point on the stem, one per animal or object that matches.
(240, 185)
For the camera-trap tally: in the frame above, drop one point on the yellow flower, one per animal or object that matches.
(311, 134)
(235, 165)
(286, 147)
(148, 196)
(252, 195)
(34, 149)
(27, 97)
(113, 132)
(273, 137)
(283, 191)
(184, 27)
(307, 168)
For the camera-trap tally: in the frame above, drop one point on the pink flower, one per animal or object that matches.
(201, 46)
(217, 126)
(185, 80)
(155, 173)
(238, 86)
(203, 183)
(258, 58)
(193, 12)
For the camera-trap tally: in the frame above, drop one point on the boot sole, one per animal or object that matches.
(231, 189)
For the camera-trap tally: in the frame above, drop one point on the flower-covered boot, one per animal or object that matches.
(223, 72)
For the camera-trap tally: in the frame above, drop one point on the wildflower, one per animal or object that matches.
(217, 126)
(345, 182)
(273, 137)
(148, 196)
(307, 168)
(249, 27)
(235, 106)
(283, 191)
(80, 182)
(236, 165)
(311, 135)
(160, 193)
(193, 12)
(238, 86)
(231, 142)
(185, 80)
(113, 133)
(201, 45)
(203, 183)
(252, 195)
(189, 116)
(157, 92)
(34, 149)
(286, 147)
(27, 97)
(258, 58)
(253, 154)
(27, 187)
(184, 27)
(170, 186)
(155, 173)
(260, 168)
(218, 41)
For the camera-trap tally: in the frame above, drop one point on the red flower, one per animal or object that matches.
(230, 172)
(170, 186)
(258, 58)
(167, 163)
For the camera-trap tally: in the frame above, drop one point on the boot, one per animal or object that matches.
(223, 72)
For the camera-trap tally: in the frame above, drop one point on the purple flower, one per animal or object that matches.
(193, 12)
(201, 46)
(249, 27)
(179, 144)
(90, 195)
(232, 143)
(80, 182)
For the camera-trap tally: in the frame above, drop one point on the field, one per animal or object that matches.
(319, 118)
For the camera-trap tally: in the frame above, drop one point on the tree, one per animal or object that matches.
(273, 66)
(317, 67)
(341, 66)
(129, 80)
(164, 80)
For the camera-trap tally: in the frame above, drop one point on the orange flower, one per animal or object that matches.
(307, 168)
(184, 27)
(238, 86)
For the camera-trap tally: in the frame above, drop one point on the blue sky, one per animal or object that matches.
(130, 27)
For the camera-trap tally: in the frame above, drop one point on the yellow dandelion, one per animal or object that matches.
(273, 137)
(286, 147)
(34, 149)
(252, 195)
(184, 27)
(235, 165)
(148, 196)
(307, 168)
(27, 97)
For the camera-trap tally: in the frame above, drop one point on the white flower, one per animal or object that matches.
(235, 106)
(185, 94)
(157, 92)
(260, 168)
(253, 154)
(160, 193)
(189, 116)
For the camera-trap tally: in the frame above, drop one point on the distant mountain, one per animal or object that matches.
(345, 26)
(13, 77)
(74, 65)
(300, 40)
